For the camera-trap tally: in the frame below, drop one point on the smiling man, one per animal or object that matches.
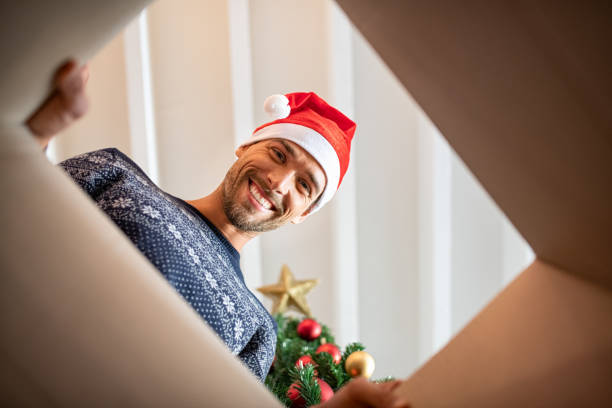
(286, 171)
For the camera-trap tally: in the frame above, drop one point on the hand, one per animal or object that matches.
(360, 393)
(66, 104)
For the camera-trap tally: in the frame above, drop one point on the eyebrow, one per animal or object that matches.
(291, 152)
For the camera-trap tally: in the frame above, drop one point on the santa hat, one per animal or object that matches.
(323, 131)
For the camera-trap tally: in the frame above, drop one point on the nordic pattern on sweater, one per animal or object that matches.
(185, 247)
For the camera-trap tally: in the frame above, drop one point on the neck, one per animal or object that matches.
(211, 207)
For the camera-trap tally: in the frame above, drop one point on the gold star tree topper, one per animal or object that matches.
(289, 292)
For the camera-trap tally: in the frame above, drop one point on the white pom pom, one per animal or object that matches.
(277, 106)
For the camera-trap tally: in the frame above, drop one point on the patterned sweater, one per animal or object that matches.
(185, 247)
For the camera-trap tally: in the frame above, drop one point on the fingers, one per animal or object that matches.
(67, 103)
(392, 399)
(361, 393)
(70, 78)
(85, 73)
(63, 71)
(390, 385)
(70, 82)
(378, 395)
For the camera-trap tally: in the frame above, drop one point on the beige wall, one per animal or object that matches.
(106, 124)
(387, 162)
(190, 63)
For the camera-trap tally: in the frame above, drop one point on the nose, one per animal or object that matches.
(280, 180)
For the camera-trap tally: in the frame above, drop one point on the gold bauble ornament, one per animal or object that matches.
(289, 292)
(359, 364)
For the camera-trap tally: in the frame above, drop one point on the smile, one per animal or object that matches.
(259, 196)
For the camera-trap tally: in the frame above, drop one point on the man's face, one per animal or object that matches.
(273, 182)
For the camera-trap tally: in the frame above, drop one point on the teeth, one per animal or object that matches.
(260, 199)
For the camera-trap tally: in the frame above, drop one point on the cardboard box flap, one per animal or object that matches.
(522, 92)
(37, 36)
(86, 320)
(543, 342)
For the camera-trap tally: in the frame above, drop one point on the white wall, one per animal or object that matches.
(106, 123)
(193, 105)
(411, 247)
(386, 154)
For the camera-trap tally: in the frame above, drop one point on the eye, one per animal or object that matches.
(279, 155)
(304, 185)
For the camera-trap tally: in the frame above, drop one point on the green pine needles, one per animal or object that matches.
(289, 348)
(307, 383)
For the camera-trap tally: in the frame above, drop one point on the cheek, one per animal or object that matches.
(235, 181)
(297, 206)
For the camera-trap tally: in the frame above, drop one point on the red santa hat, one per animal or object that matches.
(323, 131)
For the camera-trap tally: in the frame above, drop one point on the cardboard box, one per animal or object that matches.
(86, 320)
(522, 92)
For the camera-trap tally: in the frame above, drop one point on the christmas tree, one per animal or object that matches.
(308, 367)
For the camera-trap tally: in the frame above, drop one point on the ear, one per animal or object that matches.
(240, 150)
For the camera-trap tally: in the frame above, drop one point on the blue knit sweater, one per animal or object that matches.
(185, 247)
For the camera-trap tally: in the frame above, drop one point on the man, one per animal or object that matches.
(288, 170)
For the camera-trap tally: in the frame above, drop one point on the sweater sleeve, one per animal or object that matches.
(95, 171)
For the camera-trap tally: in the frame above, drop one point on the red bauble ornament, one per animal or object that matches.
(326, 390)
(309, 329)
(306, 360)
(298, 402)
(294, 395)
(333, 350)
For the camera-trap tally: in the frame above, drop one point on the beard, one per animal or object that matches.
(243, 217)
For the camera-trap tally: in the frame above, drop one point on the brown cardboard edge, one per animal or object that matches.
(519, 90)
(546, 340)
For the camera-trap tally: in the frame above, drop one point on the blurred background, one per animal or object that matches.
(411, 247)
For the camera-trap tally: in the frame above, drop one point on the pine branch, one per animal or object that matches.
(325, 368)
(343, 376)
(290, 347)
(307, 383)
(331, 373)
(350, 349)
(325, 334)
